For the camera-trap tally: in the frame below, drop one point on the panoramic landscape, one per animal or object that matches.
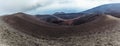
(96, 25)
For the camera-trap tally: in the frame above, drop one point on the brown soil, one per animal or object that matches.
(104, 31)
(30, 25)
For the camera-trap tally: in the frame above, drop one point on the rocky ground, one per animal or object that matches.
(104, 31)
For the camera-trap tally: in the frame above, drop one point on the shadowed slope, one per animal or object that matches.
(80, 19)
(30, 25)
(100, 24)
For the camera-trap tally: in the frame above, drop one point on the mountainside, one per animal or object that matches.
(63, 15)
(26, 30)
(77, 19)
(25, 22)
(112, 9)
(85, 16)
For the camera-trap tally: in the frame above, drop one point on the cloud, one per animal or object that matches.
(49, 6)
(13, 6)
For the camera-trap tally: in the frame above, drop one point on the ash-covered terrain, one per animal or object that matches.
(99, 26)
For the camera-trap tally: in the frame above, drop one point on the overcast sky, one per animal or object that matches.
(49, 6)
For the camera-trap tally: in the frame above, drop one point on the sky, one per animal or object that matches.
(49, 6)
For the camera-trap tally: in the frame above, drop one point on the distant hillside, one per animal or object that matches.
(112, 9)
(76, 18)
(85, 16)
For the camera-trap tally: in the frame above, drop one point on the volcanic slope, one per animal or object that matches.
(103, 31)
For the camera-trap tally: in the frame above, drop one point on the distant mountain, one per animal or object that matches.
(63, 15)
(112, 9)
(62, 18)
(68, 15)
(88, 15)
